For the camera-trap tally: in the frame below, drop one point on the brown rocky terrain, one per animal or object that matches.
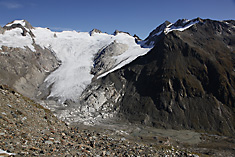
(28, 129)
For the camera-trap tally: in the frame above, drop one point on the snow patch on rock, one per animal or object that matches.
(167, 27)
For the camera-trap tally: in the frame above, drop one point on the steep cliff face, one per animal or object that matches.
(187, 81)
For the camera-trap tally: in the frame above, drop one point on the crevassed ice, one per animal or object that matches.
(76, 51)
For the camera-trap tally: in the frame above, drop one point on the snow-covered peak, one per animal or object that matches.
(117, 31)
(22, 27)
(180, 25)
(167, 27)
(160, 29)
(23, 23)
(95, 31)
(17, 34)
(181, 22)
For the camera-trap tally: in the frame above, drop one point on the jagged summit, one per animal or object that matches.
(23, 23)
(117, 31)
(159, 29)
(93, 31)
(167, 27)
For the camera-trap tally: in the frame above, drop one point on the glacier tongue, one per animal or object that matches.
(76, 51)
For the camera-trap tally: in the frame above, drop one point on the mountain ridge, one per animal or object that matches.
(172, 73)
(178, 77)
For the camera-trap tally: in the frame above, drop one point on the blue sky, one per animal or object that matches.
(134, 16)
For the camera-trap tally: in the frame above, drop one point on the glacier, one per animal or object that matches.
(76, 52)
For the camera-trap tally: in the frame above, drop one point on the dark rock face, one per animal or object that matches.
(137, 38)
(187, 81)
(159, 30)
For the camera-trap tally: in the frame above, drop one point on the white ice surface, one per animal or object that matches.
(76, 51)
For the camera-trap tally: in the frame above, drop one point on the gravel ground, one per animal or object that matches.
(28, 129)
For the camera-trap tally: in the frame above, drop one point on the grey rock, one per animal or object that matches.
(1, 30)
(117, 31)
(94, 31)
(103, 60)
(26, 69)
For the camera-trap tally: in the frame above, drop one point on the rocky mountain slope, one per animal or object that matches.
(186, 81)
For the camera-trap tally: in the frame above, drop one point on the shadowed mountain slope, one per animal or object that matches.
(187, 81)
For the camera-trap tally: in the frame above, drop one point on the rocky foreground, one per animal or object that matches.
(28, 129)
